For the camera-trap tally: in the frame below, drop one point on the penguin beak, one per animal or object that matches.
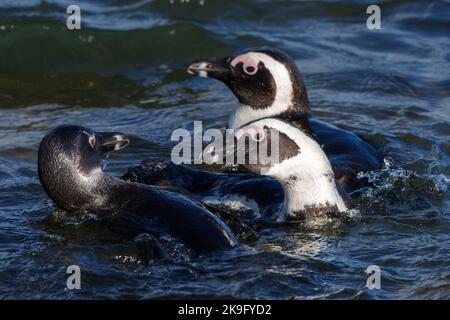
(112, 141)
(217, 68)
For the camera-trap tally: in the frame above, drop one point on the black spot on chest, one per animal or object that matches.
(292, 180)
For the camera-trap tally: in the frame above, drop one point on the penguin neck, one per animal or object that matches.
(110, 194)
(244, 113)
(97, 188)
(76, 190)
(308, 195)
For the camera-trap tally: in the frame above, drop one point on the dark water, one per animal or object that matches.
(125, 70)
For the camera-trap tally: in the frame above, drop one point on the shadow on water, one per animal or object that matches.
(125, 71)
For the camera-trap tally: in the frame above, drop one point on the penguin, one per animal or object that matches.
(70, 170)
(297, 162)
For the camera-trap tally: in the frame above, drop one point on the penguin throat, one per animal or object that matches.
(245, 114)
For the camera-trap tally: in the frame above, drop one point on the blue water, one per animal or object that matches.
(125, 70)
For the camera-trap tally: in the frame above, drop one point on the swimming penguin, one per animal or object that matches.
(300, 166)
(267, 83)
(70, 171)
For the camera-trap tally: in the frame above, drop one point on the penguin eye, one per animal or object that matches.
(250, 70)
(92, 141)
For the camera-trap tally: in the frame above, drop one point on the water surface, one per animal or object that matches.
(125, 70)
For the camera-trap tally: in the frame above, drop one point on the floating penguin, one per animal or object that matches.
(70, 170)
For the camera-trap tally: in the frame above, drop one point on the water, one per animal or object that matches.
(125, 70)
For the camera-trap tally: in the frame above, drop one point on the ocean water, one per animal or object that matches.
(125, 70)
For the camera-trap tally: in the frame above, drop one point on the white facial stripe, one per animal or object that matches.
(284, 91)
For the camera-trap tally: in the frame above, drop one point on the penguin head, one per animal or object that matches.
(261, 78)
(270, 147)
(70, 162)
(266, 145)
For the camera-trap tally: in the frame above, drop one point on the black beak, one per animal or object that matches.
(112, 141)
(217, 68)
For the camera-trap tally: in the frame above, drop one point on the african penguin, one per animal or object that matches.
(301, 167)
(70, 171)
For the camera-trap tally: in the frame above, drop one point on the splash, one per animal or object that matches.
(393, 184)
(391, 176)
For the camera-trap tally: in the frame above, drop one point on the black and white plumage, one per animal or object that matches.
(269, 87)
(70, 170)
(267, 83)
(300, 166)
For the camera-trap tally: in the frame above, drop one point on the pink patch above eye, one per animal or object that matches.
(256, 133)
(250, 66)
